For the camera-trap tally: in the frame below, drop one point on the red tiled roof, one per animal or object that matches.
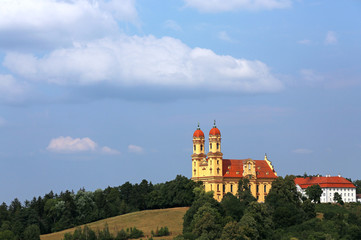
(198, 133)
(263, 170)
(214, 131)
(324, 182)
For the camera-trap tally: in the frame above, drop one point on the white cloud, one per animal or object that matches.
(234, 5)
(223, 35)
(73, 145)
(331, 38)
(108, 150)
(173, 25)
(144, 61)
(69, 144)
(135, 149)
(54, 22)
(10, 89)
(302, 151)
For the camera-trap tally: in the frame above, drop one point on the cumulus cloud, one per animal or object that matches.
(233, 5)
(302, 151)
(53, 22)
(73, 145)
(144, 61)
(10, 89)
(135, 149)
(331, 38)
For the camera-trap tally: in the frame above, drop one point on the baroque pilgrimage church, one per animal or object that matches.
(222, 175)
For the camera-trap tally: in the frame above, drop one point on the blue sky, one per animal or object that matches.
(97, 93)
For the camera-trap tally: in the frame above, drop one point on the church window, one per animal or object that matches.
(231, 188)
(224, 188)
(265, 188)
(249, 166)
(194, 146)
(217, 161)
(217, 145)
(217, 170)
(201, 147)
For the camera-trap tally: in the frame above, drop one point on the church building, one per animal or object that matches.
(222, 175)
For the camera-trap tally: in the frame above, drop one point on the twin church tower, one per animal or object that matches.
(222, 175)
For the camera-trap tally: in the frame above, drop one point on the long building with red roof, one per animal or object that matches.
(222, 175)
(330, 186)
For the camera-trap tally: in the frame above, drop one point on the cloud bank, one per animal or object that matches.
(144, 61)
(234, 5)
(27, 23)
(74, 145)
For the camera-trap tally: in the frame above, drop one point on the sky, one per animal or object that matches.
(94, 93)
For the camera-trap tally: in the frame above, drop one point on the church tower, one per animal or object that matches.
(215, 155)
(198, 152)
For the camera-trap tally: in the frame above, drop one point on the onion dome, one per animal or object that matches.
(198, 132)
(214, 130)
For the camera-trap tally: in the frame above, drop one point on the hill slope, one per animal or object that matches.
(146, 221)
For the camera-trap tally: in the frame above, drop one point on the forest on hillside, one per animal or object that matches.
(55, 212)
(283, 215)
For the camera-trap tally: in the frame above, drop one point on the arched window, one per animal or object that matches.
(217, 145)
(210, 171)
(195, 163)
(217, 187)
(265, 188)
(217, 170)
(194, 146)
(194, 172)
(231, 188)
(210, 146)
(201, 147)
(249, 166)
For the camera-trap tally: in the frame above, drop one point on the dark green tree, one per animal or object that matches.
(337, 198)
(32, 232)
(285, 202)
(207, 222)
(233, 206)
(314, 193)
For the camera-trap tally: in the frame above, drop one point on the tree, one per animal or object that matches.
(314, 193)
(357, 183)
(285, 201)
(337, 198)
(232, 206)
(32, 232)
(202, 198)
(244, 193)
(207, 222)
(232, 231)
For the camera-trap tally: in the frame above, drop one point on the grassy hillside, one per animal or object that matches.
(146, 221)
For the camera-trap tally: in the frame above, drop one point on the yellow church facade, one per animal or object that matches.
(222, 175)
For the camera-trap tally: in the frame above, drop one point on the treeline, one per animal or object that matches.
(284, 215)
(55, 212)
